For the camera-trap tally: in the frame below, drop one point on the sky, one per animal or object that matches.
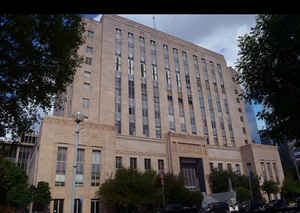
(218, 33)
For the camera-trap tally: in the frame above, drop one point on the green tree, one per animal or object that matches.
(41, 196)
(130, 190)
(270, 187)
(290, 187)
(14, 190)
(38, 59)
(218, 181)
(268, 70)
(134, 191)
(175, 192)
(242, 194)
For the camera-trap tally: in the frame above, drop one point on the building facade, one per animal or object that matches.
(151, 101)
(252, 123)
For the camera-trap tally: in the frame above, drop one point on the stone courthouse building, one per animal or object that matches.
(151, 101)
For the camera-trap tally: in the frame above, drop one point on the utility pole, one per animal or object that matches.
(78, 118)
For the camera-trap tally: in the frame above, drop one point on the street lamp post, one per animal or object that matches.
(78, 117)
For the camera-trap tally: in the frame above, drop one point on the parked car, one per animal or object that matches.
(218, 207)
(178, 208)
(234, 207)
(251, 206)
(277, 204)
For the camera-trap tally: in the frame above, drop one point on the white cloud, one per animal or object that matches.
(98, 17)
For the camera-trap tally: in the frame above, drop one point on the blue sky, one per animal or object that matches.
(215, 32)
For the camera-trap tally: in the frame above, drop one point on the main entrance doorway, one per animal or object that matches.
(192, 170)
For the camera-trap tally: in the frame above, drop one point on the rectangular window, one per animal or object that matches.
(90, 34)
(78, 206)
(244, 130)
(95, 176)
(88, 60)
(118, 162)
(220, 166)
(79, 168)
(211, 166)
(85, 103)
(161, 166)
(263, 170)
(86, 87)
(147, 164)
(229, 167)
(270, 171)
(61, 166)
(95, 206)
(87, 74)
(242, 118)
(143, 70)
(89, 49)
(58, 205)
(237, 169)
(133, 163)
(276, 172)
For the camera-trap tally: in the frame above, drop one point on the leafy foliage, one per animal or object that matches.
(218, 181)
(15, 192)
(270, 187)
(291, 186)
(268, 70)
(242, 194)
(134, 191)
(41, 196)
(38, 59)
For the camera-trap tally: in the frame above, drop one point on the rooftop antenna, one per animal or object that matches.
(154, 25)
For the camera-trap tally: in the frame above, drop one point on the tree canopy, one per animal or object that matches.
(268, 70)
(38, 59)
(15, 192)
(218, 181)
(270, 187)
(134, 191)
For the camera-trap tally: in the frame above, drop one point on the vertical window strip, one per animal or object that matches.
(218, 103)
(79, 168)
(229, 123)
(95, 173)
(155, 90)
(144, 88)
(210, 103)
(189, 92)
(169, 88)
(118, 80)
(201, 98)
(131, 84)
(61, 166)
(179, 89)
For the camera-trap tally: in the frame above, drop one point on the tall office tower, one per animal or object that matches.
(151, 101)
(254, 133)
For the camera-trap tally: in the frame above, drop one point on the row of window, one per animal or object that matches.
(133, 163)
(58, 206)
(118, 45)
(228, 165)
(241, 117)
(270, 172)
(87, 74)
(61, 163)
